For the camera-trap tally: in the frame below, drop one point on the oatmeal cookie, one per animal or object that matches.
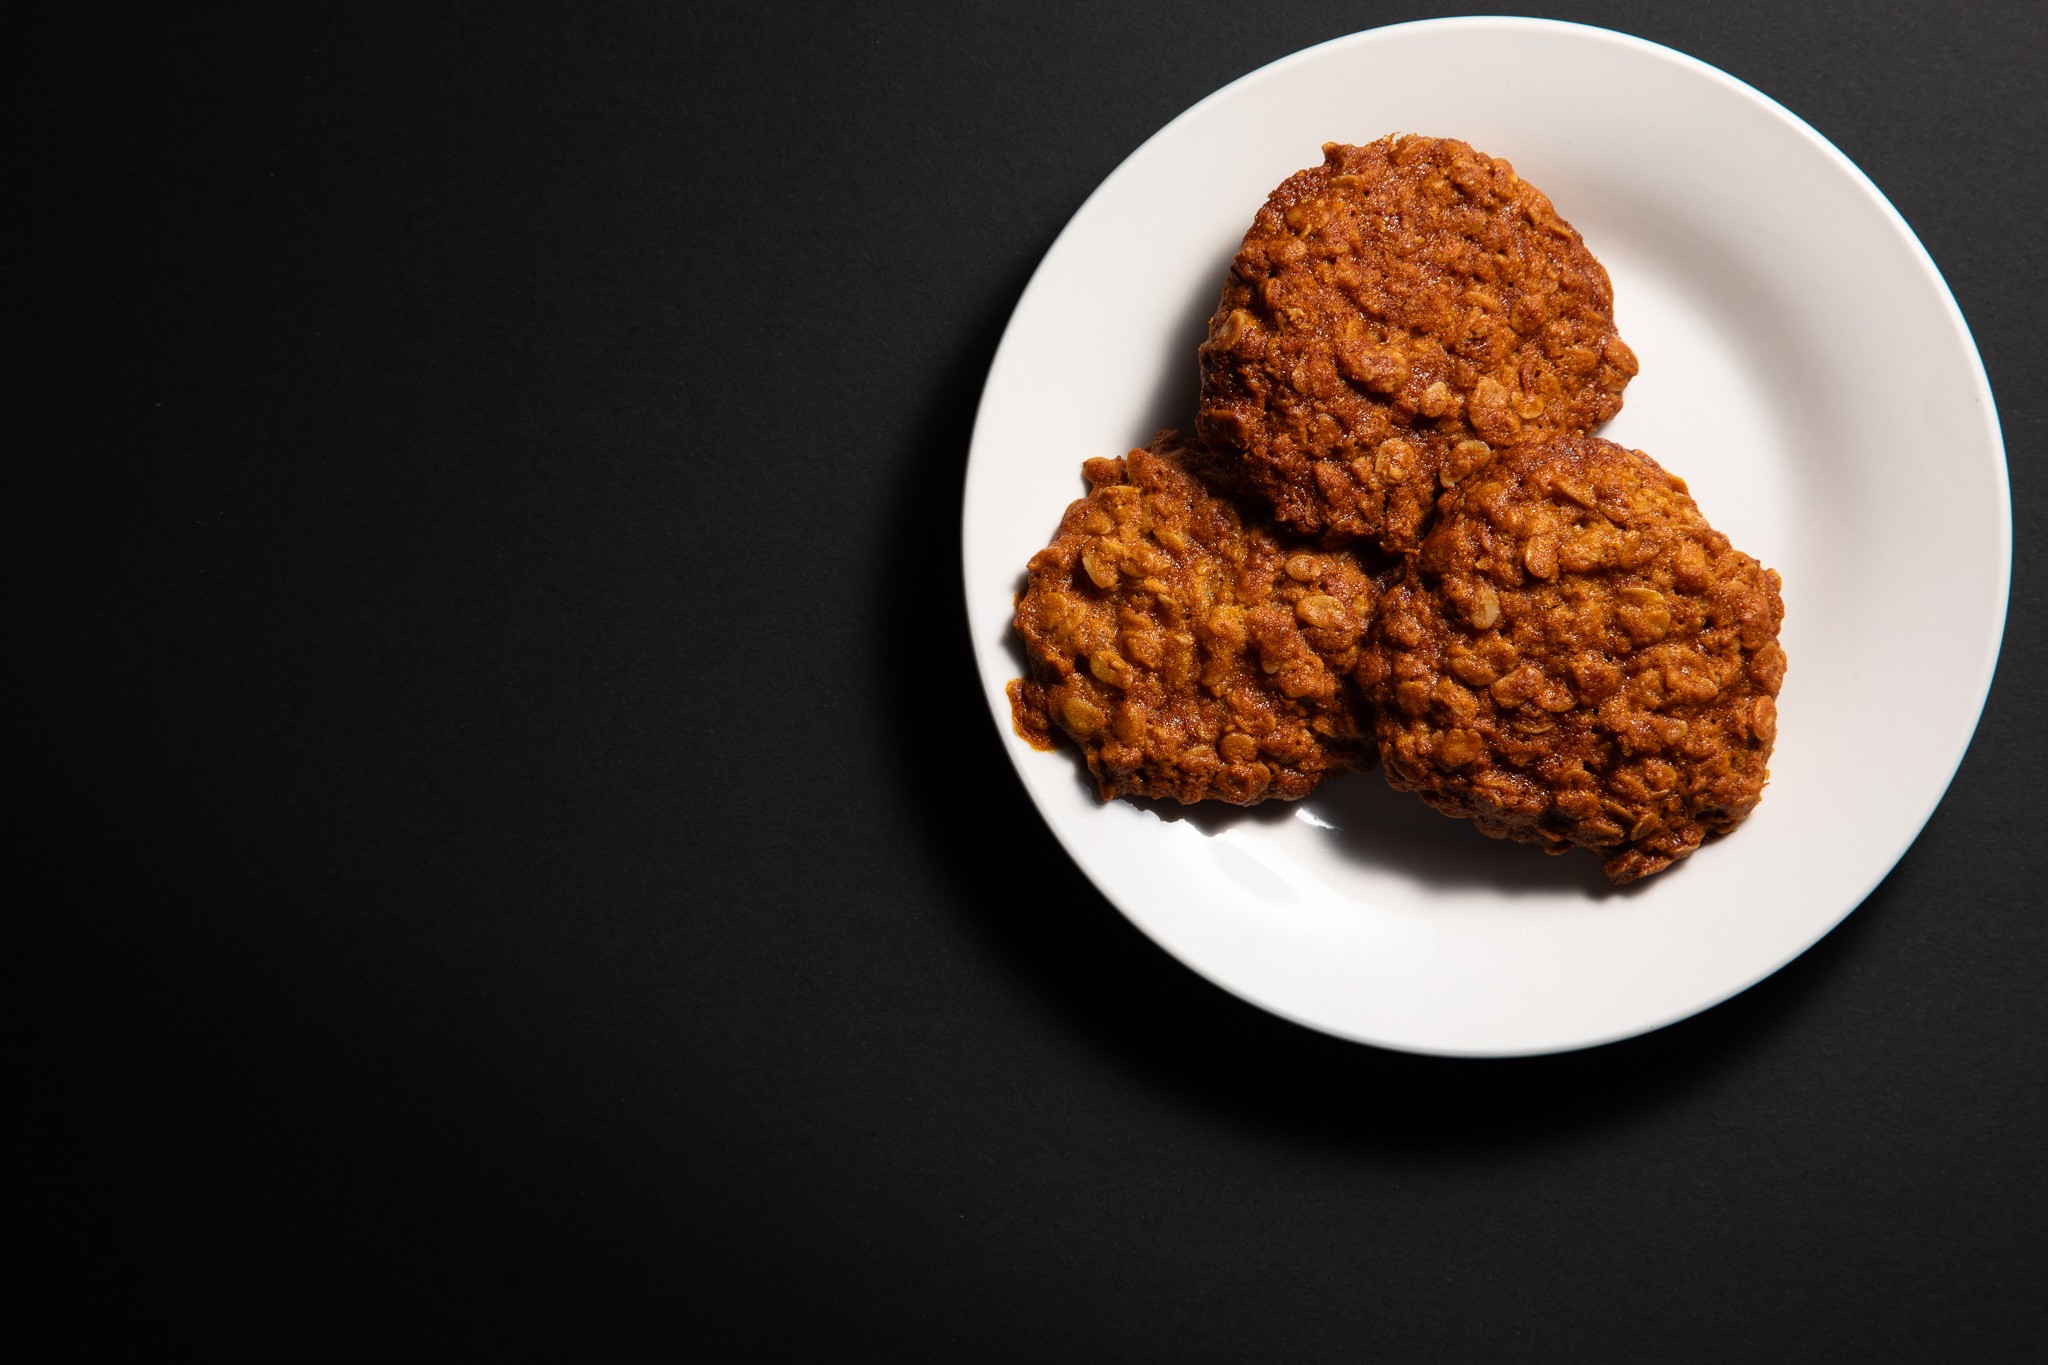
(1576, 658)
(1394, 316)
(1186, 654)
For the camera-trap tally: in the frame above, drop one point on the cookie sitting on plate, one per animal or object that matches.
(1394, 317)
(1576, 658)
(1188, 654)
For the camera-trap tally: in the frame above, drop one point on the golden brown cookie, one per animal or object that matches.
(1576, 657)
(1394, 316)
(1187, 654)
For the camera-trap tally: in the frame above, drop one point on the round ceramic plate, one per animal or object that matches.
(1803, 367)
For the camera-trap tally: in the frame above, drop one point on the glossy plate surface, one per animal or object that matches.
(1803, 368)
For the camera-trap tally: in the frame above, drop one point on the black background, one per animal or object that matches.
(517, 855)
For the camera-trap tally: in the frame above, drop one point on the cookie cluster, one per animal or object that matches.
(1393, 536)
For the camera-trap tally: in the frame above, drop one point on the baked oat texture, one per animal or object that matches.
(1394, 316)
(1576, 658)
(1188, 655)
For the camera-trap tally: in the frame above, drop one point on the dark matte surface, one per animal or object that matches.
(518, 854)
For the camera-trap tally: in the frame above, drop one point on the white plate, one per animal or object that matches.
(1805, 370)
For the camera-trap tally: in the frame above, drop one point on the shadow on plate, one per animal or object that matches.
(1179, 382)
(1374, 824)
(1171, 1029)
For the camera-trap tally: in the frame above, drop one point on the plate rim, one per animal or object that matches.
(1984, 667)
